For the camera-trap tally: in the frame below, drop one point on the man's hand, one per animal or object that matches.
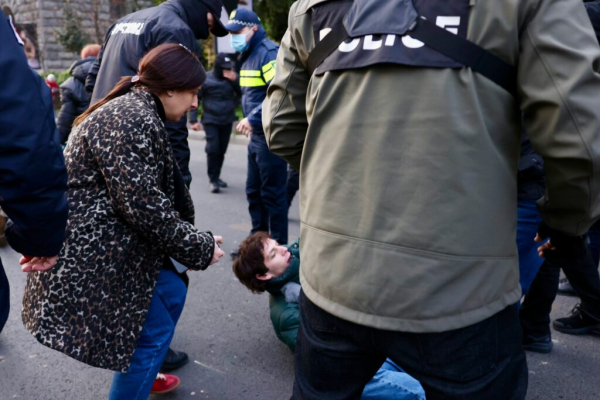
(244, 127)
(195, 126)
(560, 248)
(218, 252)
(32, 264)
(229, 74)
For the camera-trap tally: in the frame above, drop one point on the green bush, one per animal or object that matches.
(60, 76)
(274, 15)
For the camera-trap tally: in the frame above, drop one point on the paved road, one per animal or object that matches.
(227, 332)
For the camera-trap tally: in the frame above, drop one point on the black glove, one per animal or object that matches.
(566, 248)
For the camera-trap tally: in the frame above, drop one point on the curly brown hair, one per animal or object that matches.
(250, 262)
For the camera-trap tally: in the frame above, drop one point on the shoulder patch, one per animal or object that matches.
(270, 45)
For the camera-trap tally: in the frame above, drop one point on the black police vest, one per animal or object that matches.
(421, 33)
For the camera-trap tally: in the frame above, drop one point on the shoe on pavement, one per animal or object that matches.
(214, 187)
(222, 184)
(565, 288)
(165, 384)
(579, 323)
(234, 254)
(542, 345)
(173, 360)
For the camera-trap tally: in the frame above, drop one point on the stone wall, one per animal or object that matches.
(94, 16)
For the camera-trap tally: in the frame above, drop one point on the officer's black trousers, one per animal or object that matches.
(217, 140)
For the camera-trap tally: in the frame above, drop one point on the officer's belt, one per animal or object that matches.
(462, 50)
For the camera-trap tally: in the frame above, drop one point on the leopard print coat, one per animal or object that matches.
(122, 224)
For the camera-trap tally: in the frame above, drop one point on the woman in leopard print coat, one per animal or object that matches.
(125, 219)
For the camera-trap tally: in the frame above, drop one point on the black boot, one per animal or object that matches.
(173, 360)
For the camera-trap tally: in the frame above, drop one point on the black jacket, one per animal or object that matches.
(593, 9)
(219, 97)
(73, 96)
(131, 37)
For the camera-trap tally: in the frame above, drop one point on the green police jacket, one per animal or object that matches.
(409, 174)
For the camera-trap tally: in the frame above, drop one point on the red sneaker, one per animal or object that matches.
(165, 383)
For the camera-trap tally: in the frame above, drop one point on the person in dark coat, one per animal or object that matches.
(219, 97)
(128, 39)
(267, 173)
(73, 95)
(113, 300)
(32, 169)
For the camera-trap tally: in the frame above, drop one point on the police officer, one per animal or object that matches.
(267, 173)
(404, 118)
(128, 39)
(33, 178)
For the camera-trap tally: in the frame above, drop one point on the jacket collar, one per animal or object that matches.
(151, 99)
(256, 39)
(291, 274)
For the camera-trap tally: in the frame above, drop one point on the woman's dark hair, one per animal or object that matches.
(251, 262)
(165, 67)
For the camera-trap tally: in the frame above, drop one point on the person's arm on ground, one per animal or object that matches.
(284, 116)
(32, 169)
(559, 92)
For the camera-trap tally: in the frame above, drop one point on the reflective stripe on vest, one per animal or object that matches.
(268, 71)
(251, 78)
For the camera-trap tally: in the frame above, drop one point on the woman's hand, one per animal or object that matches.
(32, 264)
(218, 252)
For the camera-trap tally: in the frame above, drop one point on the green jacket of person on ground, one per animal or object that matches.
(285, 315)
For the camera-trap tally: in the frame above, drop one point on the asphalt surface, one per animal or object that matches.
(226, 330)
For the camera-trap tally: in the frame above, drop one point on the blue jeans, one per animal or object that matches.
(392, 383)
(528, 221)
(165, 308)
(266, 187)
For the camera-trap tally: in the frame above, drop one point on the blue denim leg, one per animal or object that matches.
(165, 308)
(392, 383)
(529, 261)
(594, 236)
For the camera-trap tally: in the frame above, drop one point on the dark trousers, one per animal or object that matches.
(335, 358)
(537, 304)
(293, 184)
(4, 297)
(266, 190)
(217, 140)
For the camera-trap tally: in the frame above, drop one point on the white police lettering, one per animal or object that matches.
(131, 28)
(371, 44)
(447, 22)
(450, 23)
(349, 47)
